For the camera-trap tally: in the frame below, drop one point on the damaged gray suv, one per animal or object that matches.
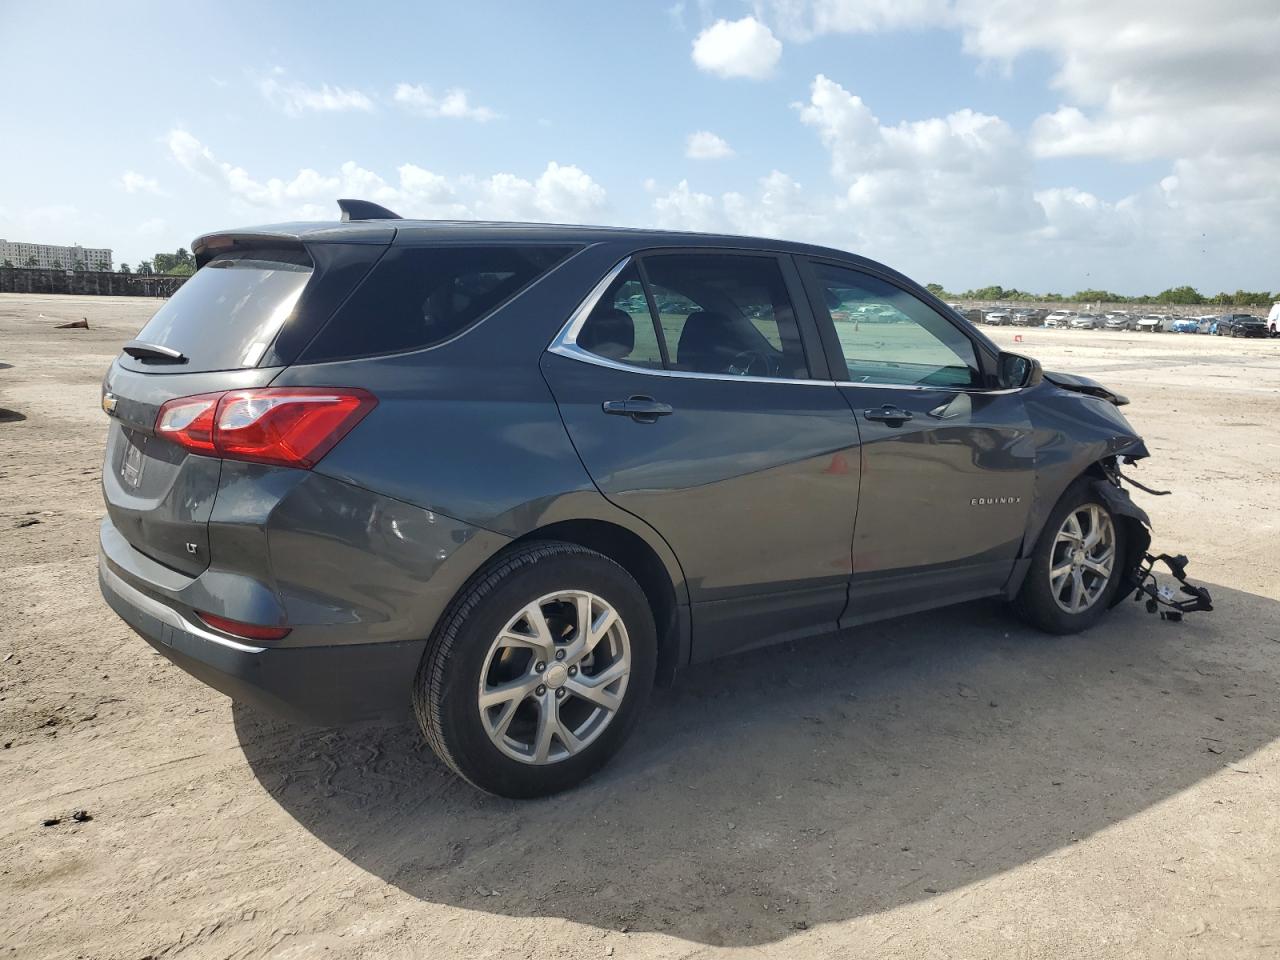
(507, 477)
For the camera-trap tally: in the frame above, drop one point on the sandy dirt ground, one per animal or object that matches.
(947, 785)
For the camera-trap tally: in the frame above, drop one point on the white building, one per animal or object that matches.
(49, 256)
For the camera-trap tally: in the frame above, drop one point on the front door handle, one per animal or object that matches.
(894, 416)
(641, 409)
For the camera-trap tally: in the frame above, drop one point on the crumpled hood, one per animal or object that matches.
(1085, 385)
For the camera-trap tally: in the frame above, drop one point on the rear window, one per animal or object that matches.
(226, 316)
(420, 296)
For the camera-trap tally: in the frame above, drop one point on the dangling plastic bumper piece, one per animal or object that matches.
(1162, 598)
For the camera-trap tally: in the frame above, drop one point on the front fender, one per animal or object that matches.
(1073, 433)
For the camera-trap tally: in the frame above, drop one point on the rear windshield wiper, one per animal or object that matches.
(152, 352)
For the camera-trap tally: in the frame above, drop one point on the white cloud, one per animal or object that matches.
(737, 48)
(705, 145)
(950, 198)
(1191, 84)
(1144, 79)
(801, 20)
(296, 98)
(1140, 79)
(686, 209)
(137, 183)
(779, 207)
(454, 104)
(929, 178)
(561, 192)
(1076, 216)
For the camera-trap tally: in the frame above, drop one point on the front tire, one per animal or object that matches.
(1076, 567)
(538, 671)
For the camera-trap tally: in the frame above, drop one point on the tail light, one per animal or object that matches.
(246, 631)
(285, 426)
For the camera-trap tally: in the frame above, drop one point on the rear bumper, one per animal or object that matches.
(318, 685)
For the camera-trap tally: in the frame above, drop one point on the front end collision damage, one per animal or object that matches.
(1079, 432)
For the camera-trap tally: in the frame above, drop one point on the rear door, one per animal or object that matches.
(947, 461)
(698, 398)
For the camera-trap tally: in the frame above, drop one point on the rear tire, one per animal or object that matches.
(514, 694)
(1076, 567)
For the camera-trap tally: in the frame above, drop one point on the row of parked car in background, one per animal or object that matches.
(1216, 324)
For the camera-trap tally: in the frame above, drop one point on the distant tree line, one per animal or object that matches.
(180, 263)
(1184, 296)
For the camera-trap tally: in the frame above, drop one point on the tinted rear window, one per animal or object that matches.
(227, 314)
(420, 296)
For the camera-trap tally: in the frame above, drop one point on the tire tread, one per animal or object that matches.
(429, 687)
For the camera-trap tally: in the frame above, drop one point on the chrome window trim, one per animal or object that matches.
(565, 344)
(975, 391)
(575, 352)
(568, 335)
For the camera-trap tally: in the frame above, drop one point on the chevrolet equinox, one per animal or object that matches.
(507, 477)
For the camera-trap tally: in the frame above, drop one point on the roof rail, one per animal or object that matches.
(364, 210)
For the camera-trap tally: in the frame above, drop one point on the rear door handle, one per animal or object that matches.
(639, 408)
(887, 414)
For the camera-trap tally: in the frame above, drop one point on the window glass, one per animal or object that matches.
(889, 336)
(620, 327)
(231, 309)
(419, 296)
(726, 314)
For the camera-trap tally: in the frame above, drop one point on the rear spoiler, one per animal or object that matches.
(362, 222)
(291, 236)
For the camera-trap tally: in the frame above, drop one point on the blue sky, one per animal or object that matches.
(1051, 146)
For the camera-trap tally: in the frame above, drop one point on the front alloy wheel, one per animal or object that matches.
(1084, 556)
(555, 677)
(1077, 565)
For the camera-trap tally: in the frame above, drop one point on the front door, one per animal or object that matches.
(947, 461)
(691, 402)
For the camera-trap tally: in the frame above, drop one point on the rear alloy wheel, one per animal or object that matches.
(555, 677)
(538, 671)
(1076, 567)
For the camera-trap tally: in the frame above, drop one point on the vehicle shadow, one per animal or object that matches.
(816, 782)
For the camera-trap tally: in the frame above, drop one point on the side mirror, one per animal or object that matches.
(1015, 371)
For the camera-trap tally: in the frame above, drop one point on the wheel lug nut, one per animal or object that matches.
(559, 654)
(573, 671)
(541, 690)
(539, 667)
(560, 694)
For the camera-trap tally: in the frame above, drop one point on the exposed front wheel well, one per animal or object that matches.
(635, 556)
(1128, 517)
